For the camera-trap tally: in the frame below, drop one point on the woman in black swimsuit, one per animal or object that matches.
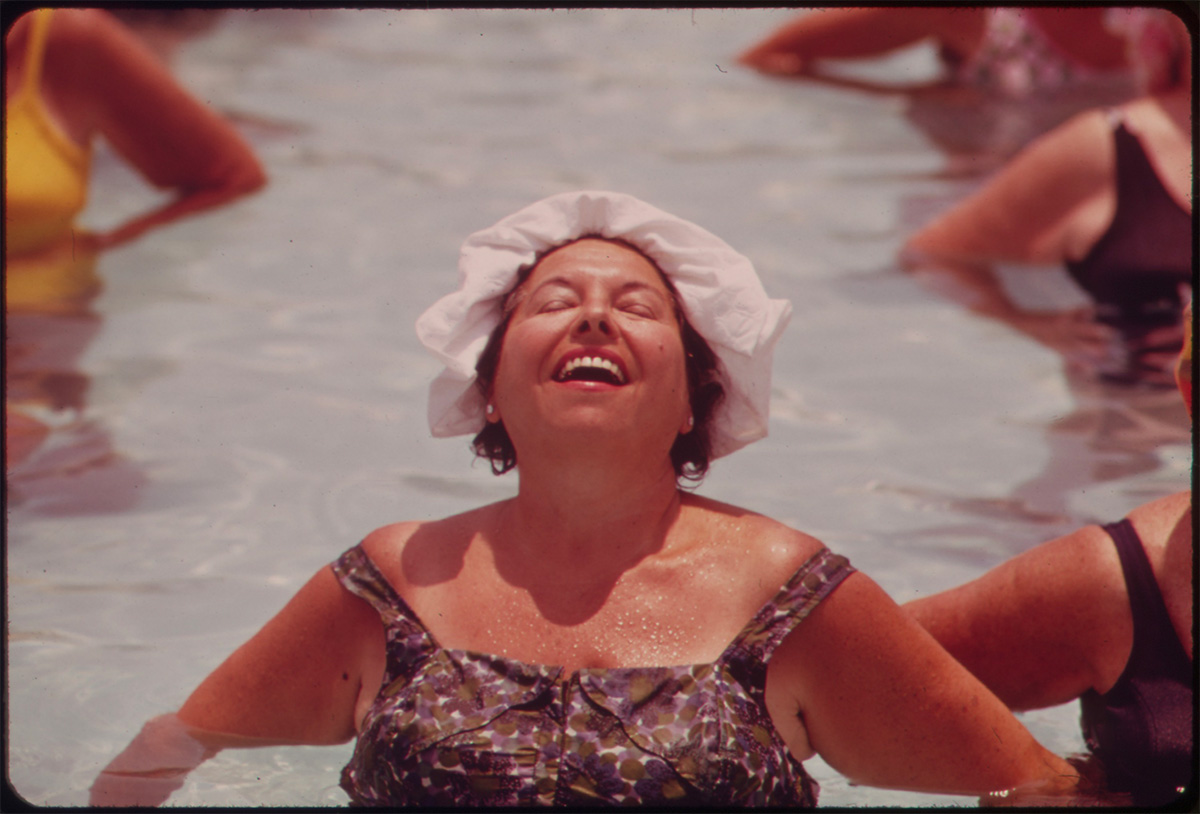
(1103, 615)
(1108, 196)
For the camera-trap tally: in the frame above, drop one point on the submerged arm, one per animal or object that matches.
(297, 681)
(156, 763)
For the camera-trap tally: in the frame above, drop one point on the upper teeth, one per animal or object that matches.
(593, 361)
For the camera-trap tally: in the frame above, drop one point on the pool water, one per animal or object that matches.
(250, 395)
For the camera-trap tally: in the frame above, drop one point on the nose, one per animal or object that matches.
(594, 319)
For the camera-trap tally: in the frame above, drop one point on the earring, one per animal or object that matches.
(691, 421)
(491, 408)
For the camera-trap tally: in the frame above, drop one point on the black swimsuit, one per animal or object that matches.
(1135, 270)
(1142, 729)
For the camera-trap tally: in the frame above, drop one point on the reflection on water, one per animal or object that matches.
(1110, 433)
(1113, 432)
(246, 398)
(976, 131)
(59, 460)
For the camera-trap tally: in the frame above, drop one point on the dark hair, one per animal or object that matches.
(691, 451)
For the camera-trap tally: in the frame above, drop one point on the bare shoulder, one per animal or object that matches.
(415, 553)
(1146, 114)
(88, 51)
(86, 28)
(767, 544)
(1087, 129)
(1089, 541)
(1159, 519)
(1078, 153)
(1077, 576)
(387, 538)
(1075, 570)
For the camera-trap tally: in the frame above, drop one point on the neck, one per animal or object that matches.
(586, 521)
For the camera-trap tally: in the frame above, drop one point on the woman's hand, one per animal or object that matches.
(1075, 334)
(1088, 790)
(187, 203)
(778, 63)
(1154, 354)
(154, 765)
(296, 681)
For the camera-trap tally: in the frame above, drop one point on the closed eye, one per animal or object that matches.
(641, 300)
(639, 310)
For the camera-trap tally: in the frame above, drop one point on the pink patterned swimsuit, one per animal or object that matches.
(458, 728)
(1017, 59)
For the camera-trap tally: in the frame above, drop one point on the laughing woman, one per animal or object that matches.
(603, 637)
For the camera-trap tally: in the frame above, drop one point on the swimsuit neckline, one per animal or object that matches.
(556, 670)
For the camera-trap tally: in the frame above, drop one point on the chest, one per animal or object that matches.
(651, 616)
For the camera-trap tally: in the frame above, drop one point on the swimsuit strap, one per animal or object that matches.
(814, 581)
(35, 52)
(361, 577)
(1146, 601)
(409, 643)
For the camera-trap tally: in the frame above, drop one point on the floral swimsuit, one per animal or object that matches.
(459, 728)
(1017, 59)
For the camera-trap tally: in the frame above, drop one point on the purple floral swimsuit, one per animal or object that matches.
(459, 728)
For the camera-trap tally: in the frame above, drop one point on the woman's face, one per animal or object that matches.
(592, 355)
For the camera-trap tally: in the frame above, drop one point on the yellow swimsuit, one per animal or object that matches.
(46, 180)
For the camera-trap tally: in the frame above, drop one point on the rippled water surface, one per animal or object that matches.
(256, 395)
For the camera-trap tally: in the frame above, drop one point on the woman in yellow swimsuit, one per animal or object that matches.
(70, 75)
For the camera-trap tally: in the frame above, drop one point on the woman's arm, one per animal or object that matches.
(1042, 628)
(884, 705)
(1049, 204)
(155, 764)
(108, 77)
(849, 33)
(297, 681)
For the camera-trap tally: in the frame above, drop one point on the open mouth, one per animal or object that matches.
(590, 369)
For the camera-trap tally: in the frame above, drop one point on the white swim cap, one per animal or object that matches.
(718, 289)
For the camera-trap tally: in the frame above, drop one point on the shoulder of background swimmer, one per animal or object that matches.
(80, 43)
(1029, 210)
(74, 32)
(86, 29)
(1159, 519)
